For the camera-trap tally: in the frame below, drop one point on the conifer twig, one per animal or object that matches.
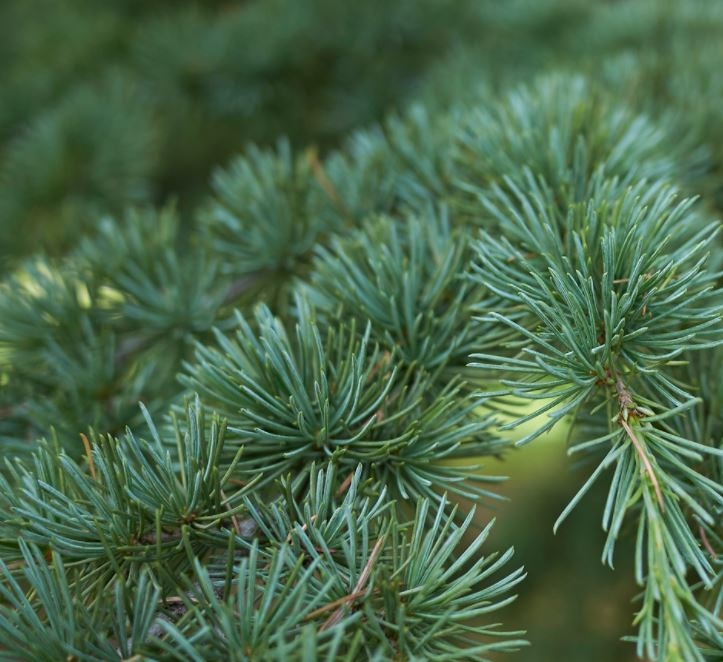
(358, 589)
(89, 455)
(627, 408)
(646, 461)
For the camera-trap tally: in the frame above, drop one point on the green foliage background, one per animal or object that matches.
(133, 132)
(109, 104)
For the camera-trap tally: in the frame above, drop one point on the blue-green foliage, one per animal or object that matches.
(358, 322)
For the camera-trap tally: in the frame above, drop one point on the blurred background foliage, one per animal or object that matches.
(108, 104)
(130, 102)
(572, 607)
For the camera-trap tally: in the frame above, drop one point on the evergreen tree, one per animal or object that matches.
(332, 347)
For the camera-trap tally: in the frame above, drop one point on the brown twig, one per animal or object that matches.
(234, 520)
(178, 600)
(313, 519)
(706, 543)
(525, 256)
(345, 485)
(621, 281)
(358, 589)
(625, 399)
(646, 461)
(627, 408)
(89, 456)
(333, 605)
